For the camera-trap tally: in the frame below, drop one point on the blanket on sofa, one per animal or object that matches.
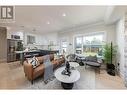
(48, 71)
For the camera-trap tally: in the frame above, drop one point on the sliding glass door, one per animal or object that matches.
(78, 45)
(89, 44)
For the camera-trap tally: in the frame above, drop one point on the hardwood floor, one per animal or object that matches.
(12, 77)
(106, 81)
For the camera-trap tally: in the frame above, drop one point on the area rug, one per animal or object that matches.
(86, 81)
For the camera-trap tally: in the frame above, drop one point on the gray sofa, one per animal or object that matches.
(93, 61)
(87, 61)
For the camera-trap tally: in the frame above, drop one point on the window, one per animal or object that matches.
(64, 46)
(89, 44)
(78, 44)
(30, 39)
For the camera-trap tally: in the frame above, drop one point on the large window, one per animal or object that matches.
(89, 44)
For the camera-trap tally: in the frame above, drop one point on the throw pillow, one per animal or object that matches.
(34, 61)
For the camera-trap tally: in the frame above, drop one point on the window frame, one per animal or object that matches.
(87, 34)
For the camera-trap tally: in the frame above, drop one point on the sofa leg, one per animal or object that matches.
(32, 82)
(99, 70)
(85, 65)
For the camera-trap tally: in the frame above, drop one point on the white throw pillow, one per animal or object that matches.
(34, 61)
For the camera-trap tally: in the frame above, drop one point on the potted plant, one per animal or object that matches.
(109, 55)
(19, 46)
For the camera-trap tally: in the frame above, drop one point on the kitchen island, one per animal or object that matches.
(32, 53)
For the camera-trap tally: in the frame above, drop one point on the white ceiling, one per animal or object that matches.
(36, 17)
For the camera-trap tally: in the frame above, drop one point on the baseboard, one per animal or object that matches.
(124, 80)
(3, 60)
(122, 75)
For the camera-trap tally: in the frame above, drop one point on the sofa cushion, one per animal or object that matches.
(93, 64)
(91, 58)
(51, 57)
(38, 71)
(55, 63)
(40, 59)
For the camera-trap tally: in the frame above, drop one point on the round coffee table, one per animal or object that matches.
(67, 82)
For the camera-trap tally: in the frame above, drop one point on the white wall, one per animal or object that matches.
(13, 31)
(109, 30)
(120, 43)
(47, 37)
(37, 37)
(42, 40)
(3, 44)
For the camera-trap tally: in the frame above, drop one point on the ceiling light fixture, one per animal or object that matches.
(64, 14)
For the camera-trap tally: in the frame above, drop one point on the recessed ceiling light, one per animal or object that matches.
(48, 22)
(63, 14)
